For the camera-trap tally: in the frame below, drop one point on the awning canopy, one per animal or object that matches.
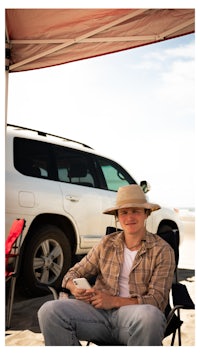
(40, 38)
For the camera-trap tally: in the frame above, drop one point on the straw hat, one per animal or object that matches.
(131, 196)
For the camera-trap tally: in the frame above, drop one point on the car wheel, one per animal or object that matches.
(46, 259)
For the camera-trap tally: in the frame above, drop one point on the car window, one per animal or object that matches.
(31, 157)
(115, 176)
(54, 162)
(74, 166)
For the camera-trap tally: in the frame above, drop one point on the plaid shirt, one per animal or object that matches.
(151, 275)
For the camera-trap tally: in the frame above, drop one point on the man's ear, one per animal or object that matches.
(148, 212)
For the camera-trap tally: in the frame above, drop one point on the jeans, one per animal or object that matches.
(67, 321)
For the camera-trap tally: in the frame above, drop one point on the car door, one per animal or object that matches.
(82, 197)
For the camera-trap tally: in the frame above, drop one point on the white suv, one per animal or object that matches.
(60, 187)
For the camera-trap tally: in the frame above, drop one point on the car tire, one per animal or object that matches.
(47, 258)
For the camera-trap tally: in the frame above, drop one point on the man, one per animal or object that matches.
(134, 271)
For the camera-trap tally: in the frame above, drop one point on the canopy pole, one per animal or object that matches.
(7, 63)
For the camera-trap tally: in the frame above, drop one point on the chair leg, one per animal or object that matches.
(179, 336)
(10, 301)
(173, 338)
(179, 329)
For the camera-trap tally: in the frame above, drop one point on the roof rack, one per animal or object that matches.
(44, 134)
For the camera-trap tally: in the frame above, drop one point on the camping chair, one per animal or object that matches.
(12, 253)
(179, 293)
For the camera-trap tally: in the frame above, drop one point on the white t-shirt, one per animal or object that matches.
(129, 257)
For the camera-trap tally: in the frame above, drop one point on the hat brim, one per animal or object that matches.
(148, 206)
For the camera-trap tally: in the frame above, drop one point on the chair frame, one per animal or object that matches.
(12, 252)
(180, 295)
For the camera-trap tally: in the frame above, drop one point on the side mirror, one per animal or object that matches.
(145, 186)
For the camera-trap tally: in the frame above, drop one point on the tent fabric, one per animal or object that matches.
(40, 38)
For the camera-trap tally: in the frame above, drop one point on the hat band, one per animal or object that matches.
(135, 201)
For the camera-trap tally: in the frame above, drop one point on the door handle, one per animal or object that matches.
(72, 198)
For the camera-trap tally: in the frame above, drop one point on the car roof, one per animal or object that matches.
(47, 137)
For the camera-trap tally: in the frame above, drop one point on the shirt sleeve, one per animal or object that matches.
(87, 267)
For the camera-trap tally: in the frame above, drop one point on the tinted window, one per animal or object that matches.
(31, 157)
(45, 160)
(74, 167)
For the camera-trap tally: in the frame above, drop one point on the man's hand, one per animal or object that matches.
(79, 293)
(82, 294)
(101, 300)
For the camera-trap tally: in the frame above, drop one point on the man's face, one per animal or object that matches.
(132, 220)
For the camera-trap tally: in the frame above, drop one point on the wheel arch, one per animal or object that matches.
(49, 220)
(59, 221)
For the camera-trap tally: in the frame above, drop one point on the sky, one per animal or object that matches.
(136, 107)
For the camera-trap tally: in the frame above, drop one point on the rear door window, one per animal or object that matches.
(74, 166)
